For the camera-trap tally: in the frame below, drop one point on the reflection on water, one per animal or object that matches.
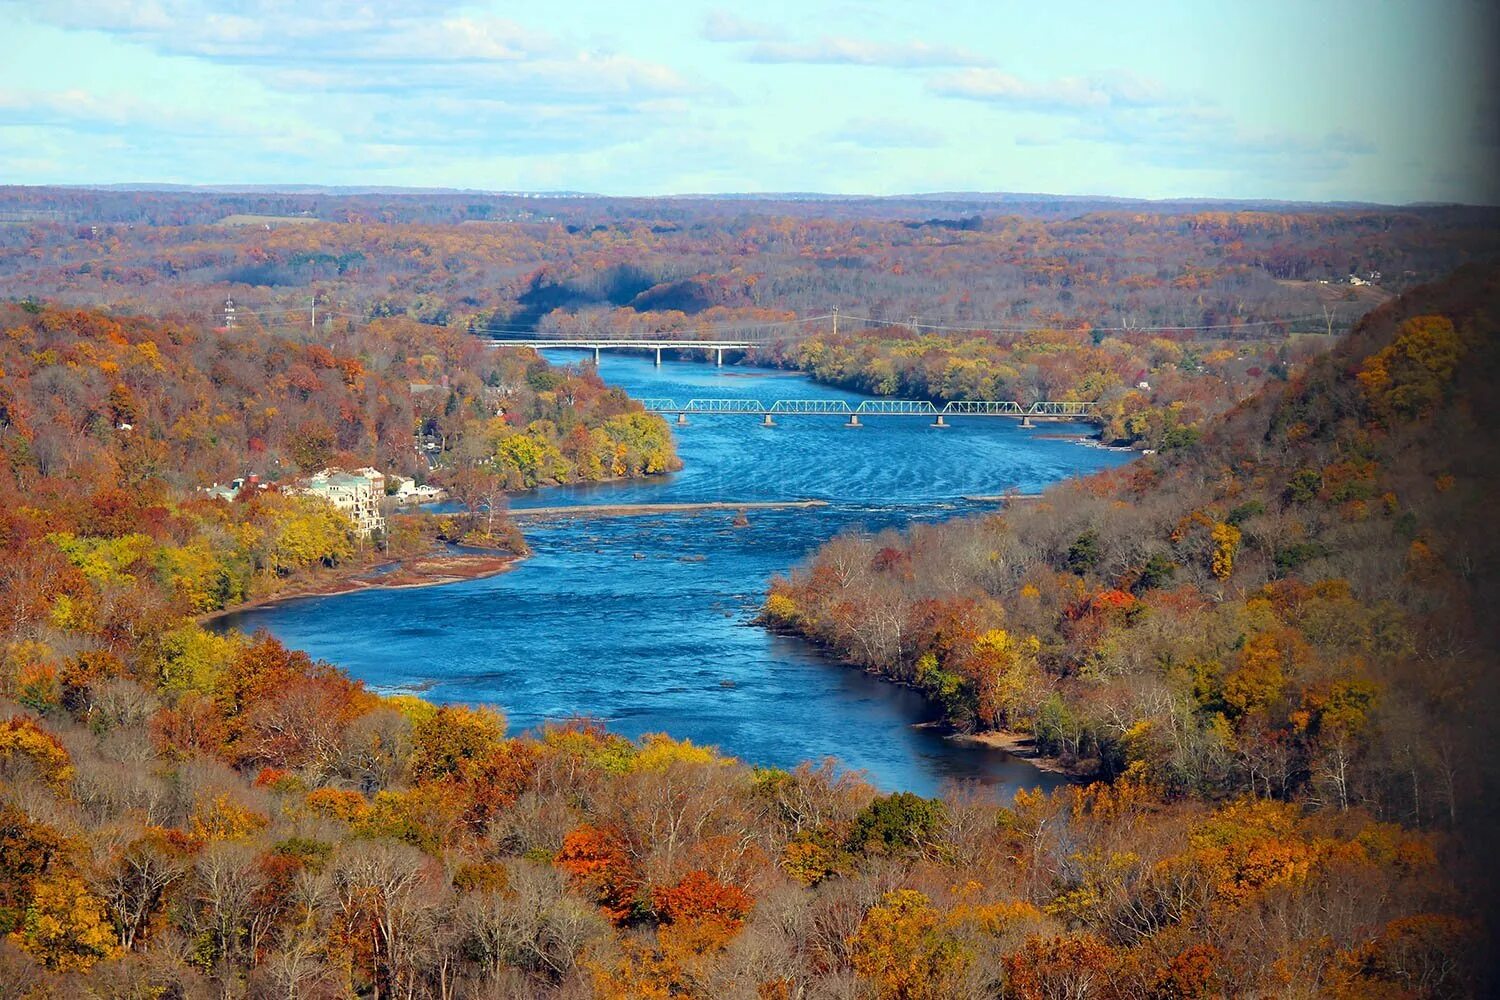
(642, 622)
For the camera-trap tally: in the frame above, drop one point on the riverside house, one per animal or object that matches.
(354, 493)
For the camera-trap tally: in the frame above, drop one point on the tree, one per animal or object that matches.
(904, 952)
(481, 489)
(66, 926)
(597, 863)
(1059, 968)
(1407, 377)
(901, 823)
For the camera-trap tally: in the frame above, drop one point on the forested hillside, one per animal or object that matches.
(1154, 390)
(89, 396)
(109, 426)
(1294, 608)
(676, 264)
(1273, 641)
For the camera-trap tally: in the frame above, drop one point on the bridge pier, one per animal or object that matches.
(854, 421)
(658, 357)
(719, 357)
(939, 421)
(768, 422)
(681, 419)
(1026, 422)
(596, 357)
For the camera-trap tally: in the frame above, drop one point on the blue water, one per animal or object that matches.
(643, 621)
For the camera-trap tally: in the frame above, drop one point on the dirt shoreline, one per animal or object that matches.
(429, 569)
(1018, 745)
(643, 509)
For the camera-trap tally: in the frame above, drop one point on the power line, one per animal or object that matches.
(1147, 328)
(530, 331)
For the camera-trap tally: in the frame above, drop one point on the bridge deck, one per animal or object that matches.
(1041, 410)
(600, 344)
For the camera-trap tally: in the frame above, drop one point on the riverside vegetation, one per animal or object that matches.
(1289, 613)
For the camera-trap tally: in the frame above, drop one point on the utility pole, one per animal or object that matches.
(312, 324)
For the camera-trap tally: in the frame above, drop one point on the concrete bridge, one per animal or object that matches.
(596, 344)
(1048, 410)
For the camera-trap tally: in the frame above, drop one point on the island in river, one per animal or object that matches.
(644, 621)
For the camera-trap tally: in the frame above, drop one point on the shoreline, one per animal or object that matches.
(644, 509)
(1020, 746)
(434, 568)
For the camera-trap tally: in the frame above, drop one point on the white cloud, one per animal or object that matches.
(81, 109)
(723, 26)
(268, 31)
(1061, 94)
(837, 51)
(384, 63)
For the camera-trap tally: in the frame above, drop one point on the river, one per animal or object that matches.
(642, 622)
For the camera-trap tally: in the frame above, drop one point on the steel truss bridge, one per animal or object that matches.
(1048, 410)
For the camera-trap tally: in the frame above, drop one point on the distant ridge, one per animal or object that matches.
(949, 197)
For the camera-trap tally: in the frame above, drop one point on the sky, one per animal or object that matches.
(1391, 101)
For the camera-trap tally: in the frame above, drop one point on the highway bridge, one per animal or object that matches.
(658, 344)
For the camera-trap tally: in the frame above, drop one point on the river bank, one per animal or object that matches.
(1021, 746)
(434, 568)
(645, 509)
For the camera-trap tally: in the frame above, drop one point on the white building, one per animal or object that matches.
(407, 491)
(230, 492)
(353, 493)
(376, 478)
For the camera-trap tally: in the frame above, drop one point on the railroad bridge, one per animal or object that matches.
(1047, 410)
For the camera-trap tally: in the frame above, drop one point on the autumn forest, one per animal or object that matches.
(1261, 651)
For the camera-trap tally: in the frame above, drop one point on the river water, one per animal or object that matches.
(642, 622)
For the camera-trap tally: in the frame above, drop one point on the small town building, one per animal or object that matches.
(353, 493)
(407, 491)
(229, 492)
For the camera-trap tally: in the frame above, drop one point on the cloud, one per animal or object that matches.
(1210, 139)
(83, 110)
(722, 26)
(256, 29)
(1069, 94)
(368, 75)
(579, 76)
(309, 32)
(368, 46)
(835, 51)
(886, 133)
(1151, 125)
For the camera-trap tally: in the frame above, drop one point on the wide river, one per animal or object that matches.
(643, 622)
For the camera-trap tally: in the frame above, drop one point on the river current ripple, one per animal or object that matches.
(642, 622)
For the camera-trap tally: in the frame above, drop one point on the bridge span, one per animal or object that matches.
(657, 344)
(1045, 410)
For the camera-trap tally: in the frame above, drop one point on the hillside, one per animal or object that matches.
(1295, 800)
(1294, 607)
